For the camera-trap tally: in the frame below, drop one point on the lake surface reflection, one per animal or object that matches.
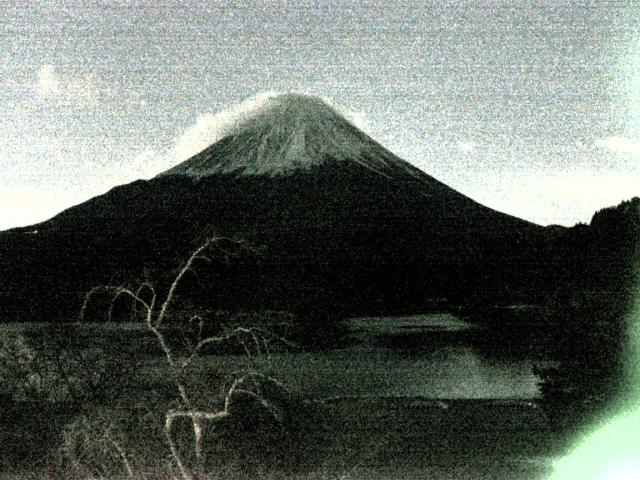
(433, 356)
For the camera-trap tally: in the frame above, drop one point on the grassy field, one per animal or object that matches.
(381, 438)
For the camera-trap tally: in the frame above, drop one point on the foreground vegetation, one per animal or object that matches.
(121, 416)
(326, 439)
(96, 390)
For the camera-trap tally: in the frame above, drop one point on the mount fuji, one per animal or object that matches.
(339, 222)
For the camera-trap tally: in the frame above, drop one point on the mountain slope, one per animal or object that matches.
(340, 223)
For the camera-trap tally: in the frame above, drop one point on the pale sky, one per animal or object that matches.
(532, 109)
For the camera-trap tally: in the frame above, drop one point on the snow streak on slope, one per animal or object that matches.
(285, 133)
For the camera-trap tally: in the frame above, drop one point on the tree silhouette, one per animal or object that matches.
(155, 310)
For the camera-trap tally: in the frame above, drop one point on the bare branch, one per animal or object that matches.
(168, 427)
(247, 385)
(175, 370)
(196, 255)
(147, 285)
(264, 402)
(198, 417)
(114, 300)
(123, 456)
(204, 258)
(266, 334)
(244, 345)
(116, 291)
(264, 379)
(237, 332)
(200, 328)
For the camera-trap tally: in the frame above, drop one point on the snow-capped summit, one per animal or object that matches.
(287, 133)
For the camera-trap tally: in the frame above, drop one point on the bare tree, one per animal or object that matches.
(155, 312)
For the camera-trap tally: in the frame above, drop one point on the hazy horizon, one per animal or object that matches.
(532, 110)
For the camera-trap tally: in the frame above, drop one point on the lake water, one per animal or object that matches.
(431, 356)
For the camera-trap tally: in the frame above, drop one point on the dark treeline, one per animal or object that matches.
(589, 315)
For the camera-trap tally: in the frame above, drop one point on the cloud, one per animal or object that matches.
(48, 82)
(619, 144)
(208, 128)
(466, 147)
(211, 127)
(51, 84)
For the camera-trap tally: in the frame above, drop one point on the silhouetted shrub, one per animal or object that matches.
(57, 363)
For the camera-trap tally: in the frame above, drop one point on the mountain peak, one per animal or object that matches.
(286, 133)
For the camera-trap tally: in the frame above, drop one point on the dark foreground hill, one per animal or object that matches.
(338, 224)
